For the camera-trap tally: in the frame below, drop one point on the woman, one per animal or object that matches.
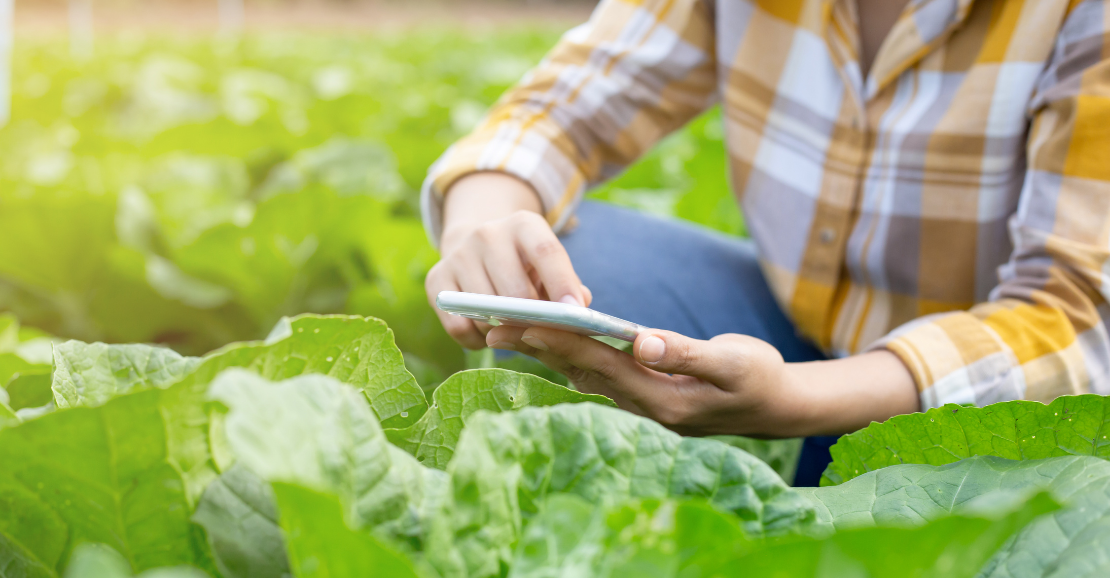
(926, 183)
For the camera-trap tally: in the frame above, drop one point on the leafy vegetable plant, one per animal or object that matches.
(315, 453)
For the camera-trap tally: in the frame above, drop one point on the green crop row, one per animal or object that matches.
(316, 453)
(190, 192)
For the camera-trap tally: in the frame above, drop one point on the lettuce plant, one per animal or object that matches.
(315, 453)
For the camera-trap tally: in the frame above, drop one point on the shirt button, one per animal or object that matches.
(827, 235)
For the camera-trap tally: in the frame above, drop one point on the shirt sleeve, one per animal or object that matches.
(1043, 332)
(606, 93)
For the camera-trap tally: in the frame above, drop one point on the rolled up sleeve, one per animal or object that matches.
(605, 94)
(1043, 333)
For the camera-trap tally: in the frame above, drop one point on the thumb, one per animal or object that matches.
(716, 361)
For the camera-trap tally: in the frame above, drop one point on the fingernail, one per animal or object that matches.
(534, 342)
(571, 300)
(652, 349)
(504, 345)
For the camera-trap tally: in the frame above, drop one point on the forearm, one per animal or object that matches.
(843, 395)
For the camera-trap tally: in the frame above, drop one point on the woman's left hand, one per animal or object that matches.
(731, 384)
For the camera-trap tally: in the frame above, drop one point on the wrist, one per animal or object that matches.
(839, 396)
(481, 197)
(799, 406)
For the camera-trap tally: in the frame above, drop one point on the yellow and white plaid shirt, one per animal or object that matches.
(953, 206)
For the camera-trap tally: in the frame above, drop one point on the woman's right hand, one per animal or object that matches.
(496, 242)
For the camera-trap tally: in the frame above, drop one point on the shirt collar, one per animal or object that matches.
(923, 26)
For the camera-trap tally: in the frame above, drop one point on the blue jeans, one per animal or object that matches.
(675, 276)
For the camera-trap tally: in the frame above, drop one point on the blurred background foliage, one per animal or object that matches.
(191, 189)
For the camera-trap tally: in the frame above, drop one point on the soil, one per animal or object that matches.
(200, 17)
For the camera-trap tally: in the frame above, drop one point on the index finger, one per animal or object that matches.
(551, 262)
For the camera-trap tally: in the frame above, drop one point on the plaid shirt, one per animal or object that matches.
(952, 207)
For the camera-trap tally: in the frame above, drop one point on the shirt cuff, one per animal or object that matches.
(531, 158)
(956, 358)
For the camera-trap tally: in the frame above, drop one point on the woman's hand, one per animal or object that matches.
(731, 384)
(496, 242)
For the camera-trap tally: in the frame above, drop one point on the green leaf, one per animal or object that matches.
(23, 350)
(240, 517)
(12, 364)
(953, 547)
(670, 539)
(1071, 542)
(358, 351)
(1016, 430)
(913, 494)
(101, 475)
(30, 389)
(506, 463)
(92, 373)
(645, 538)
(7, 415)
(318, 433)
(433, 439)
(100, 561)
(322, 545)
(781, 455)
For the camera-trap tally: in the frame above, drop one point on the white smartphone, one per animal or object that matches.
(532, 313)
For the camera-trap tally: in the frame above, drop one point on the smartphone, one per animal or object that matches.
(532, 313)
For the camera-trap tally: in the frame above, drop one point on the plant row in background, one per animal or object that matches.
(191, 192)
(316, 453)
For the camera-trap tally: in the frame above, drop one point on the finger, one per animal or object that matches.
(719, 360)
(506, 271)
(611, 368)
(470, 274)
(460, 329)
(505, 337)
(552, 264)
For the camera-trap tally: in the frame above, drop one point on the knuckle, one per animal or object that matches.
(606, 369)
(548, 248)
(486, 233)
(523, 217)
(685, 357)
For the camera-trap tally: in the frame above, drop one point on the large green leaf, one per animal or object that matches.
(356, 350)
(92, 373)
(316, 432)
(505, 463)
(1016, 430)
(1069, 543)
(433, 439)
(672, 539)
(322, 545)
(101, 475)
(239, 515)
(913, 494)
(953, 547)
